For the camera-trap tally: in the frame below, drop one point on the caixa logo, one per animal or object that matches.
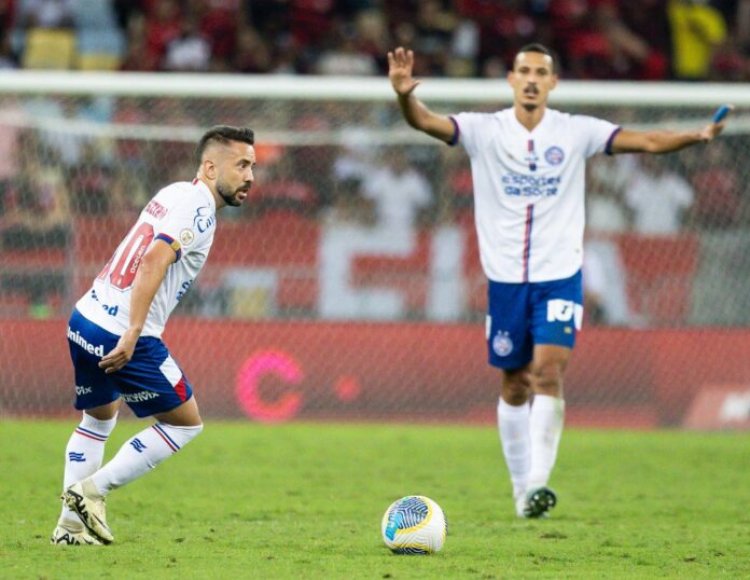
(281, 365)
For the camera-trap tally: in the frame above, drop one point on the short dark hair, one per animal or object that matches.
(540, 48)
(223, 134)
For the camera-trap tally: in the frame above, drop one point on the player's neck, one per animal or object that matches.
(218, 200)
(529, 119)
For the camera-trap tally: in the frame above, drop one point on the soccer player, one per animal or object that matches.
(528, 165)
(114, 335)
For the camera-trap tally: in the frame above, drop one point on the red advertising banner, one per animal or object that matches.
(281, 371)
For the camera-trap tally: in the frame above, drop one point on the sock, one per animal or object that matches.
(546, 425)
(142, 453)
(513, 424)
(84, 454)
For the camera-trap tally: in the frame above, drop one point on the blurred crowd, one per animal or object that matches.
(595, 39)
(57, 166)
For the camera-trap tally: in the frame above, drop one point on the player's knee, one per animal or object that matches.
(516, 387)
(548, 378)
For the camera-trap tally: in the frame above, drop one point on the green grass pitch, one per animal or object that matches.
(305, 501)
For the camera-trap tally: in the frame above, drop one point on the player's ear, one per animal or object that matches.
(209, 169)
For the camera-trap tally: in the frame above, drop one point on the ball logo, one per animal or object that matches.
(502, 344)
(186, 237)
(554, 155)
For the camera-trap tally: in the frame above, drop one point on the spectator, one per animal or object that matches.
(8, 58)
(434, 28)
(697, 31)
(658, 197)
(400, 193)
(46, 13)
(38, 211)
(644, 38)
(282, 190)
(345, 58)
(36, 216)
(218, 22)
(190, 51)
(252, 54)
(91, 183)
(606, 180)
(604, 283)
(163, 25)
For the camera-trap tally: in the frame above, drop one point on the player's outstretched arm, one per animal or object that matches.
(627, 141)
(400, 67)
(150, 275)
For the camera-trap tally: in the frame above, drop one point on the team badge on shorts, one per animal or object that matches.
(554, 155)
(502, 344)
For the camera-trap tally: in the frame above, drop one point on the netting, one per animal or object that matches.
(349, 286)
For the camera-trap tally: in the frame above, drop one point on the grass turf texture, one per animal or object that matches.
(305, 501)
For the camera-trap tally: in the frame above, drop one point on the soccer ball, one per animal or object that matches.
(414, 525)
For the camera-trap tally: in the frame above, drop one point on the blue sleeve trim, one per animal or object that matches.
(608, 146)
(174, 244)
(456, 132)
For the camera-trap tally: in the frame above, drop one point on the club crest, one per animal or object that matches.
(554, 155)
(502, 345)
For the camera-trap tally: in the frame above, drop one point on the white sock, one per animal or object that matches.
(142, 453)
(513, 425)
(84, 453)
(546, 425)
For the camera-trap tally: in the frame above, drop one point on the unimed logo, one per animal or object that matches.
(85, 344)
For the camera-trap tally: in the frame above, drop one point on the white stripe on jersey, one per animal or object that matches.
(529, 190)
(184, 215)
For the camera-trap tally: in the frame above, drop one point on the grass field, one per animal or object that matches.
(305, 501)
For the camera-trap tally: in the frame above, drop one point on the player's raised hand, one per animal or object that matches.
(400, 67)
(716, 125)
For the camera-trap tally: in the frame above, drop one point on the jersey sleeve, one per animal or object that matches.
(187, 221)
(596, 134)
(468, 130)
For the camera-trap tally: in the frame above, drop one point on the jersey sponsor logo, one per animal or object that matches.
(187, 237)
(155, 209)
(502, 345)
(111, 310)
(554, 155)
(139, 397)
(183, 289)
(76, 338)
(80, 391)
(204, 219)
(559, 310)
(530, 185)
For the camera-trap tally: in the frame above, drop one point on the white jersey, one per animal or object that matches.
(183, 215)
(529, 190)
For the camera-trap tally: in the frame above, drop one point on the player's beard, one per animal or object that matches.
(229, 198)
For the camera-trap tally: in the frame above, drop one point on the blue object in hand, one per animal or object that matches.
(722, 112)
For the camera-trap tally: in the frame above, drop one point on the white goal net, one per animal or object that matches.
(349, 287)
